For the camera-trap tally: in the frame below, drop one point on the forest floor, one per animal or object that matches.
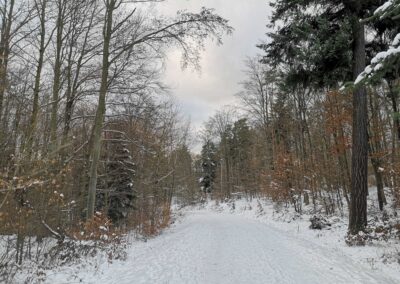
(242, 242)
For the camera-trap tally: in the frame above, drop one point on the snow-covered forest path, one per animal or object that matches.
(208, 247)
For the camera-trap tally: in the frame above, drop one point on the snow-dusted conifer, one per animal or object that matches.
(118, 196)
(209, 166)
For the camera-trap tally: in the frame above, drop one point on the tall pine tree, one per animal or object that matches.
(117, 198)
(319, 58)
(208, 165)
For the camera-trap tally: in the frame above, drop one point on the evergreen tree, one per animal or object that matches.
(117, 199)
(311, 48)
(241, 144)
(209, 166)
(384, 64)
(184, 177)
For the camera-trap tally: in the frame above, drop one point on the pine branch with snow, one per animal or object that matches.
(384, 60)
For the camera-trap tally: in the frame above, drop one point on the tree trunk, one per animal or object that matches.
(396, 118)
(57, 76)
(375, 147)
(5, 51)
(95, 141)
(73, 78)
(36, 89)
(379, 183)
(359, 167)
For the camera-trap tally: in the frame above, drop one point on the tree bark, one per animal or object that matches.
(57, 75)
(95, 142)
(396, 119)
(359, 167)
(5, 51)
(36, 89)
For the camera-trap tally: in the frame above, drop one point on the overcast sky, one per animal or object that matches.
(200, 95)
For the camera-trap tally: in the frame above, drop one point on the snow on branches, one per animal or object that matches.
(385, 59)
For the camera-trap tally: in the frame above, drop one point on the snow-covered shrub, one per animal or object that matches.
(319, 222)
(359, 239)
(260, 210)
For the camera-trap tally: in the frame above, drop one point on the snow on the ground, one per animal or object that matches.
(379, 258)
(240, 242)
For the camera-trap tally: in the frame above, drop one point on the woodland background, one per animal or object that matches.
(92, 144)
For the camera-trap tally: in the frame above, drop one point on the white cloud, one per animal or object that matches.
(202, 94)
